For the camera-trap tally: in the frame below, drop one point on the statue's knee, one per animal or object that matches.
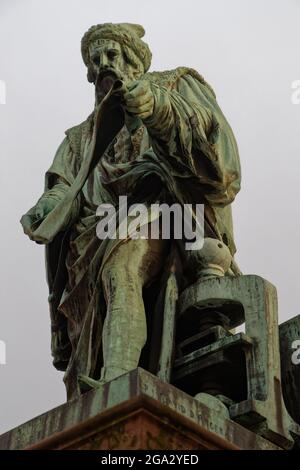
(118, 274)
(112, 276)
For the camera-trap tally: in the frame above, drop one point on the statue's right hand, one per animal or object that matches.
(32, 219)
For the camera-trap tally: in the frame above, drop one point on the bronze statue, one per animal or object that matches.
(153, 136)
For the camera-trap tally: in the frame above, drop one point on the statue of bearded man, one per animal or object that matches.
(154, 137)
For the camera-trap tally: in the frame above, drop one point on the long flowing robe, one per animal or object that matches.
(185, 152)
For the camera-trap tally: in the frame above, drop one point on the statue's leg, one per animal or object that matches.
(132, 265)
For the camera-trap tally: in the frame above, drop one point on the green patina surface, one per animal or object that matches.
(153, 136)
(135, 383)
(115, 304)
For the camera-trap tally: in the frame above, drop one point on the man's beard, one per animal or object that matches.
(104, 82)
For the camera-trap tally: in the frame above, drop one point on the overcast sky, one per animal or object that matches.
(248, 50)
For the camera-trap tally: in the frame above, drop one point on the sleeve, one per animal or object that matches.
(187, 125)
(57, 183)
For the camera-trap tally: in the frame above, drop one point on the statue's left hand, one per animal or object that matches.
(139, 99)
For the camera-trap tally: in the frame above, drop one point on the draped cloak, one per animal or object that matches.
(185, 152)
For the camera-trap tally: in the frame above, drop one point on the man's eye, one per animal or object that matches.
(112, 54)
(96, 60)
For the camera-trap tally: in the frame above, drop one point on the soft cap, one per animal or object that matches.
(127, 34)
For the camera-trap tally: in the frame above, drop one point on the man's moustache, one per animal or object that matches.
(105, 80)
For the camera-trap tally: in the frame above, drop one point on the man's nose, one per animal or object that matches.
(104, 61)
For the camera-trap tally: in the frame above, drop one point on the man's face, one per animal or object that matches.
(109, 63)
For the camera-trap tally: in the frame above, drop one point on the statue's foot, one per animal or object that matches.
(86, 383)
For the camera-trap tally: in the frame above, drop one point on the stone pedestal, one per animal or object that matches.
(134, 411)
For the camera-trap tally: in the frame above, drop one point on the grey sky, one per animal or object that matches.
(248, 50)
